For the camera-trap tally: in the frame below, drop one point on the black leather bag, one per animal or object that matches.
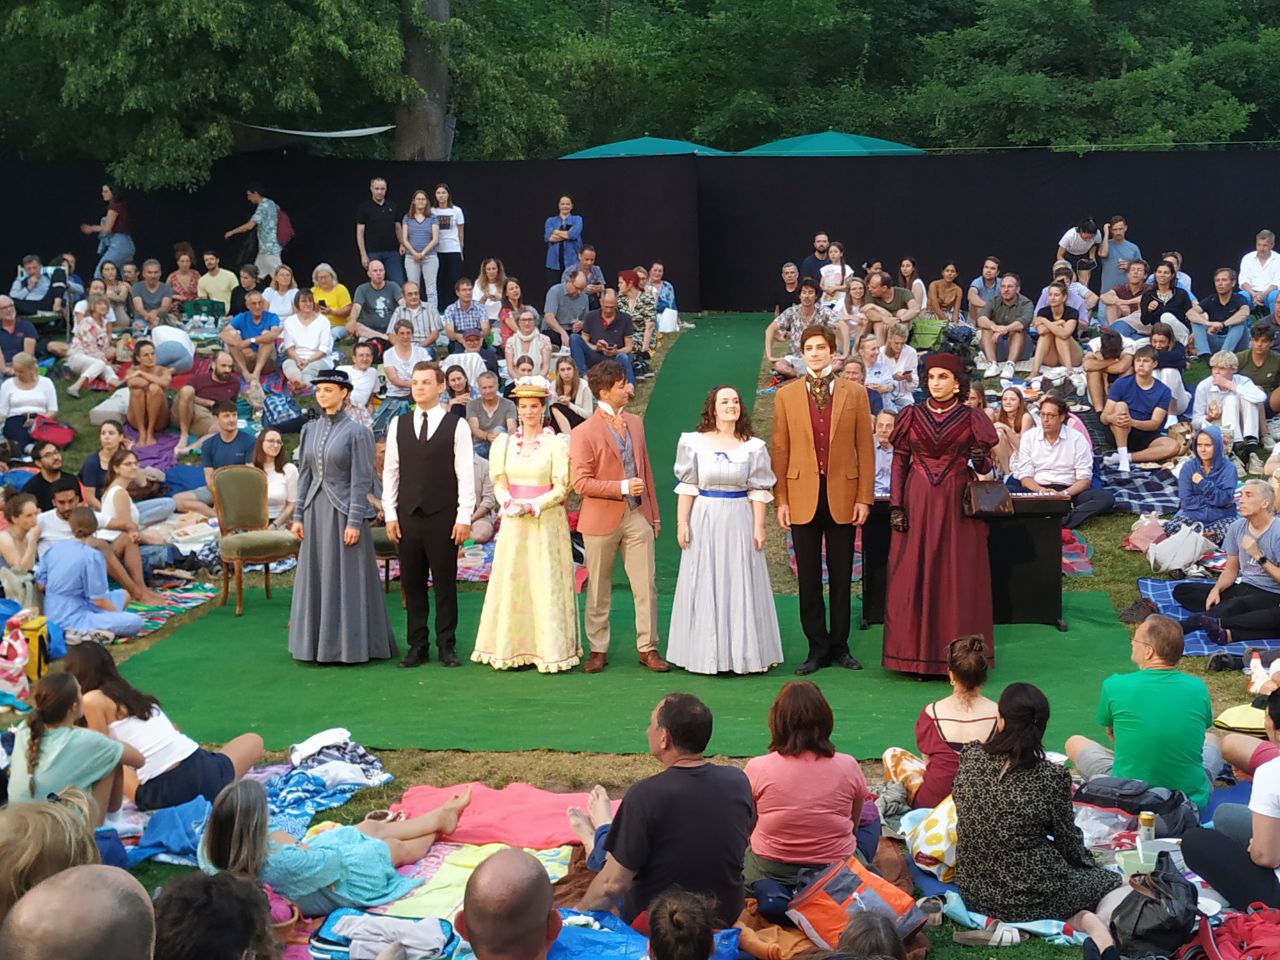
(987, 498)
(1157, 916)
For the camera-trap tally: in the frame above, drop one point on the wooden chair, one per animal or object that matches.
(240, 498)
(386, 551)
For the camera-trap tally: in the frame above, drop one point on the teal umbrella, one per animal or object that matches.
(832, 143)
(646, 147)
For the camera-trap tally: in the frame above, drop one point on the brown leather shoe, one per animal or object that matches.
(653, 660)
(595, 662)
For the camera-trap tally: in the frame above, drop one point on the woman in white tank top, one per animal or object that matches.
(176, 768)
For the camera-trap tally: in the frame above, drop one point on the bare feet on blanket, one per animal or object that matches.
(599, 807)
(152, 599)
(451, 811)
(580, 824)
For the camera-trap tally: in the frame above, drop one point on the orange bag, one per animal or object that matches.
(822, 909)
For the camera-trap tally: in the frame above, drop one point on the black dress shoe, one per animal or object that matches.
(808, 667)
(449, 659)
(416, 658)
(847, 661)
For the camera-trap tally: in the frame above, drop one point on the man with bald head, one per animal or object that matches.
(113, 919)
(507, 911)
(193, 403)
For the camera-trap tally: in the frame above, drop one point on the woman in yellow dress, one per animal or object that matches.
(530, 615)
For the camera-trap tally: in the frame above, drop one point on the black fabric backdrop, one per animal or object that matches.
(723, 225)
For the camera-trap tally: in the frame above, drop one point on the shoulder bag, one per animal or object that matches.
(987, 498)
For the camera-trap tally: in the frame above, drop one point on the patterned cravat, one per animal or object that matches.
(820, 389)
(619, 425)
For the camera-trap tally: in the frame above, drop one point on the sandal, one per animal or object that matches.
(384, 816)
(999, 934)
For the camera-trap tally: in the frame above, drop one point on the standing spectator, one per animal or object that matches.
(985, 287)
(147, 382)
(887, 304)
(835, 272)
(332, 298)
(89, 356)
(377, 231)
(250, 338)
(250, 280)
(1116, 252)
(565, 306)
(1223, 323)
(789, 294)
(1261, 364)
(1135, 412)
(427, 324)
(373, 304)
(307, 342)
(23, 397)
(282, 292)
(606, 335)
(1052, 456)
(17, 335)
(114, 230)
(464, 315)
(1078, 247)
(1125, 297)
(812, 265)
(1006, 315)
(266, 220)
(193, 403)
(512, 306)
(420, 238)
(152, 299)
(216, 283)
(909, 279)
(563, 234)
(452, 223)
(595, 276)
(118, 293)
(185, 280)
(1260, 272)
(489, 286)
(942, 299)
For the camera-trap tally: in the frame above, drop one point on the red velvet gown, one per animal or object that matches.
(939, 574)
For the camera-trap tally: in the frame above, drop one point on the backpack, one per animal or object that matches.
(281, 412)
(823, 907)
(284, 227)
(1158, 914)
(1175, 814)
(14, 680)
(1253, 934)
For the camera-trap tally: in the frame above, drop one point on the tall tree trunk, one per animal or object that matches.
(423, 128)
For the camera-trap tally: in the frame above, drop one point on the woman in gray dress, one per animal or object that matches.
(723, 619)
(339, 611)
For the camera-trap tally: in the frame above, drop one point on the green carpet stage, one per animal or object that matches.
(224, 675)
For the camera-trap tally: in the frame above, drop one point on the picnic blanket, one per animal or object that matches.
(857, 558)
(1196, 643)
(1139, 490)
(180, 599)
(1077, 556)
(519, 815)
(172, 835)
(475, 564)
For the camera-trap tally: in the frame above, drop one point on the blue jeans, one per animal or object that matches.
(116, 247)
(1235, 338)
(393, 261)
(174, 355)
(585, 357)
(154, 510)
(1125, 330)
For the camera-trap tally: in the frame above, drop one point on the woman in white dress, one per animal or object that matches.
(835, 274)
(723, 618)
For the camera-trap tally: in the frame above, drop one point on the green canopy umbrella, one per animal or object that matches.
(646, 147)
(832, 143)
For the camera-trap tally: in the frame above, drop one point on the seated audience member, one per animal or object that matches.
(89, 355)
(464, 316)
(52, 753)
(658, 284)
(1157, 717)
(121, 514)
(888, 305)
(848, 310)
(1008, 314)
(1126, 297)
(36, 291)
(1240, 856)
(344, 867)
(77, 594)
(878, 373)
(113, 918)
(565, 306)
(1171, 362)
(94, 472)
(855, 371)
(983, 288)
(152, 298)
(945, 726)
(571, 400)
(508, 910)
(148, 383)
(905, 361)
(1206, 487)
(1011, 419)
(18, 543)
(1079, 297)
(227, 446)
(48, 462)
(944, 295)
(216, 283)
(333, 299)
(489, 415)
(681, 926)
(1019, 854)
(307, 342)
(639, 304)
(457, 390)
(40, 839)
(482, 520)
(194, 401)
(97, 287)
(185, 280)
(688, 826)
(788, 326)
(808, 798)
(426, 321)
(201, 917)
(121, 555)
(364, 382)
(17, 335)
(1244, 602)
(1053, 457)
(834, 275)
(1135, 411)
(250, 280)
(1261, 364)
(512, 304)
(119, 295)
(606, 334)
(176, 768)
(282, 477)
(473, 359)
(884, 421)
(23, 397)
(1223, 321)
(528, 341)
(586, 262)
(1109, 356)
(250, 338)
(1230, 401)
(1164, 302)
(1056, 326)
(522, 369)
(282, 293)
(1259, 273)
(372, 305)
(1079, 246)
(789, 293)
(869, 934)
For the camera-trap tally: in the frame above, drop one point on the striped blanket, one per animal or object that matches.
(180, 599)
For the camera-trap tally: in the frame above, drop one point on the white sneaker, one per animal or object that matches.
(1112, 459)
(988, 368)
(1006, 370)
(562, 352)
(1078, 381)
(1268, 442)
(685, 325)
(1255, 465)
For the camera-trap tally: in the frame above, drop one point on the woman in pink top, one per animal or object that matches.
(809, 799)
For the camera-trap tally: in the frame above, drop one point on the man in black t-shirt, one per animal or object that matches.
(686, 827)
(789, 294)
(376, 237)
(48, 458)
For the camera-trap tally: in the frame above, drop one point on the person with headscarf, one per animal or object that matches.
(1206, 487)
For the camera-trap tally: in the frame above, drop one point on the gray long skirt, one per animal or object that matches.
(339, 610)
(723, 618)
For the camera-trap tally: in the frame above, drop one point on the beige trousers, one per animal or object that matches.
(634, 536)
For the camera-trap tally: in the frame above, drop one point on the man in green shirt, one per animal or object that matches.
(1261, 364)
(1157, 718)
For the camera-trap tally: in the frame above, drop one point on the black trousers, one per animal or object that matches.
(1226, 866)
(1084, 505)
(448, 273)
(1249, 612)
(426, 545)
(824, 644)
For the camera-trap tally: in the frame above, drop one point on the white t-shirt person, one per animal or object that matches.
(448, 219)
(1265, 798)
(834, 273)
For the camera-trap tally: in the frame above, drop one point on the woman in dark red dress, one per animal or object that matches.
(939, 574)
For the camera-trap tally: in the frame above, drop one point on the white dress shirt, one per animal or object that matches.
(906, 362)
(1258, 275)
(884, 469)
(463, 467)
(1061, 463)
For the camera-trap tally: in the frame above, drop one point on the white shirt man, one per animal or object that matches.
(884, 452)
(1054, 457)
(1260, 271)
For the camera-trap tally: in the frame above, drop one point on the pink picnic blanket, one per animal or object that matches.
(519, 815)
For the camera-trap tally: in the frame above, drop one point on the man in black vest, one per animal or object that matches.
(428, 495)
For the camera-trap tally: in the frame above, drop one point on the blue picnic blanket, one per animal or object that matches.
(1139, 490)
(173, 834)
(1196, 643)
(183, 477)
(294, 798)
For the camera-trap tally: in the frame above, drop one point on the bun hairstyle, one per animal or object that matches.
(681, 926)
(55, 695)
(967, 661)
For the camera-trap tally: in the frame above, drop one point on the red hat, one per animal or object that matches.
(947, 361)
